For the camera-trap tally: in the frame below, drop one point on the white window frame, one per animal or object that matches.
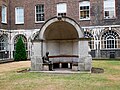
(24, 41)
(3, 43)
(91, 42)
(39, 13)
(110, 35)
(4, 14)
(61, 8)
(110, 44)
(84, 3)
(17, 16)
(109, 5)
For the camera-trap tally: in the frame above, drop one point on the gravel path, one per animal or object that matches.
(14, 65)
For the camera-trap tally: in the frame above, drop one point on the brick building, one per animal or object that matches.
(98, 19)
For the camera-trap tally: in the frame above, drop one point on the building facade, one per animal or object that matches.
(98, 19)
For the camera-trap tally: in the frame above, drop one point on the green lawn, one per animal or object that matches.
(109, 80)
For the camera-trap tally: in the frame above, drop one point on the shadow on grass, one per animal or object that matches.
(97, 70)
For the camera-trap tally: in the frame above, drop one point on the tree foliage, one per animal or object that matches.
(20, 50)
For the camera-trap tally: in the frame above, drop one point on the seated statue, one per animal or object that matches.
(47, 61)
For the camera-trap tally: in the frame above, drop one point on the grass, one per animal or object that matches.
(109, 80)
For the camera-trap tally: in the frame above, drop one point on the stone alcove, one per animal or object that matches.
(61, 37)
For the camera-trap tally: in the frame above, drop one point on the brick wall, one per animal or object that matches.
(0, 16)
(97, 17)
(4, 2)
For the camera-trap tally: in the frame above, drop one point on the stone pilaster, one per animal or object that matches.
(85, 59)
(36, 58)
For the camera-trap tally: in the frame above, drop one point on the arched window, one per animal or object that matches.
(3, 42)
(110, 39)
(110, 42)
(91, 42)
(23, 38)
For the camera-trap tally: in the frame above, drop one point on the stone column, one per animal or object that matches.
(83, 48)
(12, 35)
(36, 58)
(84, 58)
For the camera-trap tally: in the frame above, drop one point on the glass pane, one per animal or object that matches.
(19, 15)
(61, 8)
(40, 13)
(4, 13)
(84, 12)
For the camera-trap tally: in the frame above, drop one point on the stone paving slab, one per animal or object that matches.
(63, 71)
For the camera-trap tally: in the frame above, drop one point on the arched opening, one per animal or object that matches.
(24, 41)
(61, 38)
(61, 41)
(3, 46)
(60, 31)
(23, 38)
(91, 42)
(64, 20)
(110, 44)
(110, 40)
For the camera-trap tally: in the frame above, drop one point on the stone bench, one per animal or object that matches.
(64, 59)
(45, 67)
(72, 60)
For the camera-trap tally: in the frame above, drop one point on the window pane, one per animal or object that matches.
(39, 13)
(84, 10)
(4, 14)
(110, 39)
(61, 8)
(91, 42)
(19, 15)
(106, 13)
(109, 8)
(3, 42)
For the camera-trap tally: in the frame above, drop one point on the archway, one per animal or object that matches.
(24, 41)
(58, 20)
(4, 53)
(23, 38)
(60, 36)
(63, 38)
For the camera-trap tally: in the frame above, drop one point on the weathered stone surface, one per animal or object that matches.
(88, 63)
(39, 67)
(32, 66)
(81, 66)
(36, 63)
(59, 42)
(88, 67)
(88, 59)
(46, 67)
(75, 68)
(82, 60)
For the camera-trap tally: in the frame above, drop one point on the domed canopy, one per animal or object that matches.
(60, 30)
(63, 28)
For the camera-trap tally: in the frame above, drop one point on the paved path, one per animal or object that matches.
(63, 71)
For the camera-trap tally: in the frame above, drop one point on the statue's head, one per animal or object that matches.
(47, 53)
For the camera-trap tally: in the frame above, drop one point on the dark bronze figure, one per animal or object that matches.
(47, 61)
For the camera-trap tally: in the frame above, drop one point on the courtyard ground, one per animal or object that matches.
(6, 67)
(10, 79)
